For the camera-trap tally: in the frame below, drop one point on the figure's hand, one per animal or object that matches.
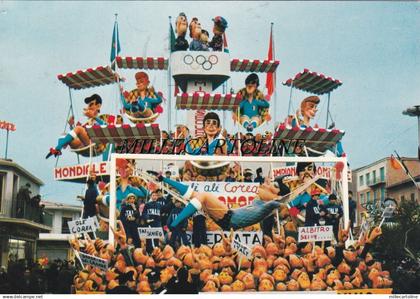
(343, 235)
(376, 232)
(71, 121)
(120, 235)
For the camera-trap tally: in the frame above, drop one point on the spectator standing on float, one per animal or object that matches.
(129, 217)
(178, 232)
(259, 178)
(313, 209)
(199, 233)
(248, 176)
(334, 213)
(152, 218)
(89, 200)
(352, 210)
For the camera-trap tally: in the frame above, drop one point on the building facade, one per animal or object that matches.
(54, 244)
(21, 218)
(375, 182)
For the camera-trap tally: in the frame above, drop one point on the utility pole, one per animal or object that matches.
(415, 112)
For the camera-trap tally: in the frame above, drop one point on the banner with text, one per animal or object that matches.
(231, 193)
(80, 171)
(81, 226)
(94, 261)
(315, 233)
(324, 172)
(243, 249)
(247, 238)
(150, 232)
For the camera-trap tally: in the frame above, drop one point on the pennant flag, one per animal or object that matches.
(394, 163)
(402, 164)
(270, 76)
(225, 45)
(176, 90)
(171, 38)
(115, 47)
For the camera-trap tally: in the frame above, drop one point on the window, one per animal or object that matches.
(368, 196)
(64, 226)
(374, 176)
(361, 182)
(362, 198)
(367, 178)
(412, 196)
(382, 193)
(382, 173)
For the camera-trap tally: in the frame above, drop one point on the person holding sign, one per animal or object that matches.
(129, 216)
(152, 218)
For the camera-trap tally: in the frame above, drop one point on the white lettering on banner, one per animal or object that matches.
(80, 171)
(230, 193)
(150, 232)
(324, 172)
(81, 226)
(243, 249)
(315, 233)
(94, 261)
(247, 238)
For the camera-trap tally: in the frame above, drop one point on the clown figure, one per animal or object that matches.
(142, 101)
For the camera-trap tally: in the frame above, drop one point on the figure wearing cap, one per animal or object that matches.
(253, 107)
(220, 25)
(78, 137)
(143, 101)
(306, 112)
(181, 26)
(313, 209)
(129, 216)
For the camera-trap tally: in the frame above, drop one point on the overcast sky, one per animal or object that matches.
(372, 47)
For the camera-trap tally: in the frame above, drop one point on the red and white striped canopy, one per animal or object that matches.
(319, 139)
(313, 82)
(102, 75)
(143, 63)
(207, 101)
(257, 66)
(118, 133)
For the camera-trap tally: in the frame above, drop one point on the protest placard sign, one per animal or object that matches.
(94, 261)
(242, 248)
(150, 232)
(82, 226)
(315, 233)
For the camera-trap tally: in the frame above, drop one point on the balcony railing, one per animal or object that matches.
(376, 181)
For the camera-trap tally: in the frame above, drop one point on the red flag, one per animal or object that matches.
(394, 163)
(270, 76)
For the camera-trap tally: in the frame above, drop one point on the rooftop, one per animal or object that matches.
(11, 164)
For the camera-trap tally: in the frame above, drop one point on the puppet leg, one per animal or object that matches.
(183, 189)
(63, 141)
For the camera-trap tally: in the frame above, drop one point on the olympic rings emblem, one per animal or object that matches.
(206, 63)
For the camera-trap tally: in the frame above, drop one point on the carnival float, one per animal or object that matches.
(274, 233)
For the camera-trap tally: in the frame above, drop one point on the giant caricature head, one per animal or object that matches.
(211, 124)
(308, 107)
(305, 171)
(220, 25)
(181, 24)
(195, 28)
(94, 104)
(142, 81)
(251, 83)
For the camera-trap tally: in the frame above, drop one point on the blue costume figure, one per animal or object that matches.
(78, 137)
(195, 34)
(253, 105)
(152, 217)
(125, 169)
(213, 142)
(129, 217)
(226, 218)
(141, 102)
